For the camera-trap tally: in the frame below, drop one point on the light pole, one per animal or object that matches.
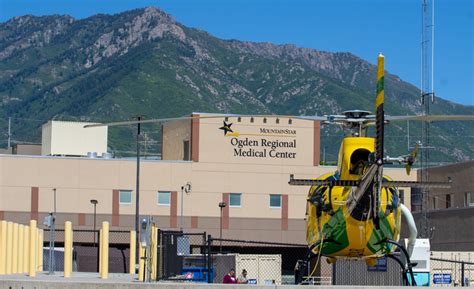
(94, 202)
(187, 189)
(52, 251)
(222, 205)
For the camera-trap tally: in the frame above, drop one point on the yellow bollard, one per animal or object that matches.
(141, 261)
(154, 252)
(3, 247)
(21, 247)
(32, 253)
(67, 249)
(132, 252)
(26, 251)
(104, 272)
(15, 249)
(9, 248)
(39, 259)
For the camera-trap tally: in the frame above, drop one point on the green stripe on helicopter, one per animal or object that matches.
(335, 229)
(375, 243)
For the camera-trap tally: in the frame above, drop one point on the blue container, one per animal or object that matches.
(197, 274)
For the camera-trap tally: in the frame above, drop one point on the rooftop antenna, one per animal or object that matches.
(427, 97)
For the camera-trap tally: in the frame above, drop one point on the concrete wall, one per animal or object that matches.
(74, 283)
(452, 229)
(27, 149)
(463, 182)
(27, 182)
(71, 138)
(174, 134)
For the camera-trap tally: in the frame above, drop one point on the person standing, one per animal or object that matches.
(229, 278)
(243, 278)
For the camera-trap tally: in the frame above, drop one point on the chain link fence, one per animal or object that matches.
(266, 263)
(448, 272)
(197, 257)
(86, 251)
(182, 256)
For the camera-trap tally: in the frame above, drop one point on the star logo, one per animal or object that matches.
(226, 128)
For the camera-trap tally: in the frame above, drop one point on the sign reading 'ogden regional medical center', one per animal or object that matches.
(261, 141)
(262, 147)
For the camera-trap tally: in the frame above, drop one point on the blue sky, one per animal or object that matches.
(363, 27)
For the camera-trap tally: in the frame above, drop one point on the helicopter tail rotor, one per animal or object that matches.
(410, 160)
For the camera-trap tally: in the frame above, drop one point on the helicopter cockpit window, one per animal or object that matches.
(358, 159)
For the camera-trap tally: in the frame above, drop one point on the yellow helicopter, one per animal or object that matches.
(356, 211)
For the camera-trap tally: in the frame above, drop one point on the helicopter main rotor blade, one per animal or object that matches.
(379, 139)
(429, 117)
(379, 115)
(163, 120)
(352, 183)
(414, 184)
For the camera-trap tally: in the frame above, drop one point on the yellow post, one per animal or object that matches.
(15, 249)
(132, 252)
(32, 257)
(100, 250)
(104, 272)
(26, 253)
(67, 249)
(9, 248)
(40, 251)
(141, 261)
(3, 247)
(21, 248)
(154, 252)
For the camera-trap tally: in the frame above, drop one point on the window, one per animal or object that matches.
(186, 150)
(277, 120)
(402, 196)
(125, 197)
(264, 120)
(235, 200)
(290, 121)
(434, 202)
(164, 198)
(468, 202)
(275, 201)
(448, 201)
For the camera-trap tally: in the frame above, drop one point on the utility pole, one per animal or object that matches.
(137, 197)
(9, 131)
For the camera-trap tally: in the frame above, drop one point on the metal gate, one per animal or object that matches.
(182, 256)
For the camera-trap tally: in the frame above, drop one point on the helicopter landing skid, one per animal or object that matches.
(301, 268)
(406, 269)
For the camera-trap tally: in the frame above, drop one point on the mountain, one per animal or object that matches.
(143, 62)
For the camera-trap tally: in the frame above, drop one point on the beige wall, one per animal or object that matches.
(27, 149)
(218, 171)
(174, 135)
(71, 138)
(215, 147)
(256, 134)
(78, 180)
